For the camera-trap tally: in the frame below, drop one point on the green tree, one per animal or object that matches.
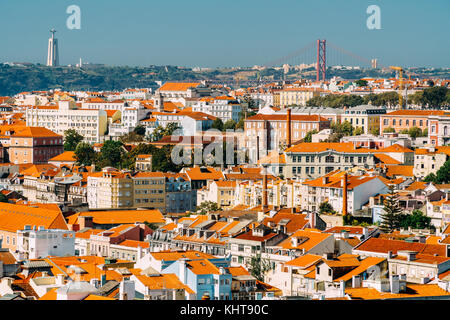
(3, 198)
(308, 135)
(207, 207)
(139, 130)
(415, 220)
(358, 131)
(415, 132)
(375, 131)
(111, 154)
(443, 174)
(240, 124)
(392, 211)
(431, 177)
(152, 226)
(230, 124)
(217, 124)
(85, 154)
(361, 83)
(404, 131)
(435, 96)
(389, 130)
(159, 132)
(325, 207)
(259, 266)
(71, 139)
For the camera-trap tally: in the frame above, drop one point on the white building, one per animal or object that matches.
(91, 124)
(38, 243)
(225, 108)
(329, 188)
(100, 104)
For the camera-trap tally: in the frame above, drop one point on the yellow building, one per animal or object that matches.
(297, 96)
(366, 117)
(149, 190)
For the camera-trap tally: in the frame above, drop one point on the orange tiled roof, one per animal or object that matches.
(312, 238)
(66, 156)
(412, 291)
(363, 266)
(314, 147)
(14, 217)
(384, 158)
(134, 244)
(399, 170)
(178, 86)
(395, 148)
(175, 255)
(124, 216)
(378, 245)
(304, 261)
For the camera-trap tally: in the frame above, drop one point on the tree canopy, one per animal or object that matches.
(71, 139)
(85, 154)
(392, 211)
(442, 176)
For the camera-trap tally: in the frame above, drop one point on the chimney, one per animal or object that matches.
(182, 270)
(344, 194)
(85, 222)
(257, 148)
(312, 220)
(395, 283)
(264, 191)
(60, 279)
(126, 290)
(344, 234)
(342, 288)
(365, 232)
(390, 255)
(288, 128)
(294, 241)
(356, 281)
(325, 180)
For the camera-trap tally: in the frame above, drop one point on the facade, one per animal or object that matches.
(220, 192)
(149, 190)
(40, 243)
(406, 119)
(180, 197)
(143, 162)
(15, 217)
(366, 117)
(203, 277)
(23, 144)
(91, 124)
(272, 130)
(439, 128)
(429, 160)
(313, 160)
(109, 190)
(222, 107)
(329, 188)
(298, 96)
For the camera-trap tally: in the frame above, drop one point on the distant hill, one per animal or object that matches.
(15, 79)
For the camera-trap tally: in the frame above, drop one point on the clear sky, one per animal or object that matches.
(212, 33)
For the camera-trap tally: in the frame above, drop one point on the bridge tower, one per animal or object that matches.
(321, 60)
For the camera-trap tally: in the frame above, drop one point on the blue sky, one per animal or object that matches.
(223, 33)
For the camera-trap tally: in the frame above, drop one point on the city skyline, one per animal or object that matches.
(212, 35)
